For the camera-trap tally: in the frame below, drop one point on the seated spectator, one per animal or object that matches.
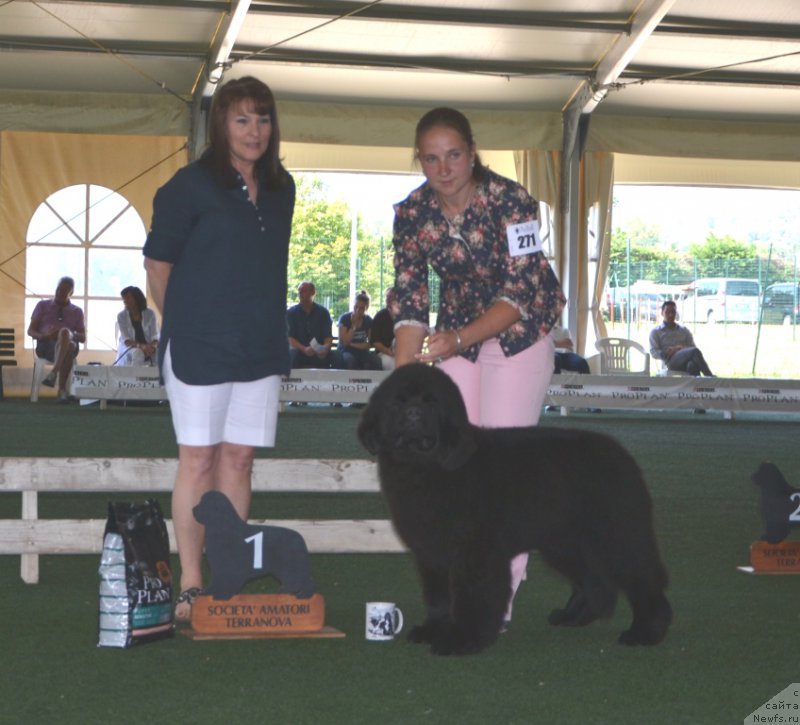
(137, 330)
(381, 334)
(673, 344)
(354, 345)
(566, 358)
(310, 335)
(58, 327)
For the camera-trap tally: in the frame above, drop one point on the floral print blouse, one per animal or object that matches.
(471, 255)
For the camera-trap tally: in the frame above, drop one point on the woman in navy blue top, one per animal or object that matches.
(216, 260)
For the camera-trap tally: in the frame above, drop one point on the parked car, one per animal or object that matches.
(781, 304)
(645, 301)
(721, 299)
(642, 306)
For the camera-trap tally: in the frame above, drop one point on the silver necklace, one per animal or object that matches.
(453, 228)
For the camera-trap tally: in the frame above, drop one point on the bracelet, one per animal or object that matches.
(459, 344)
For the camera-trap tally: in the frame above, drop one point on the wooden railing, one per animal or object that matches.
(31, 536)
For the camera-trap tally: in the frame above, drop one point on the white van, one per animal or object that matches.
(721, 299)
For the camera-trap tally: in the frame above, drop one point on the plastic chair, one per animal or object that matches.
(39, 372)
(615, 356)
(665, 372)
(40, 366)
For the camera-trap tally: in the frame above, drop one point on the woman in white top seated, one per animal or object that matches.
(137, 330)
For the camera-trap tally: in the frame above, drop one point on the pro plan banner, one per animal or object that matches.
(135, 576)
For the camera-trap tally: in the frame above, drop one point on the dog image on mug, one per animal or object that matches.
(383, 621)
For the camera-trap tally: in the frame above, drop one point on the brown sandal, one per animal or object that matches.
(184, 602)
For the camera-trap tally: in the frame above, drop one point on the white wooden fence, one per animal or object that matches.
(31, 536)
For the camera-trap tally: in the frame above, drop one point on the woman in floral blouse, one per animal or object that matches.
(499, 297)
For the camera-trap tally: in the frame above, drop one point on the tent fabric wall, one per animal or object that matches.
(34, 165)
(686, 138)
(144, 114)
(540, 172)
(373, 159)
(377, 125)
(384, 125)
(667, 170)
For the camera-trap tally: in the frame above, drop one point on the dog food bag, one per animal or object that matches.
(135, 576)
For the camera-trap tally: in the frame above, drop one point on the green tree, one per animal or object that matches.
(320, 242)
(725, 257)
(649, 258)
(319, 250)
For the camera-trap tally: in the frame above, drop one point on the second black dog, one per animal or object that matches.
(780, 503)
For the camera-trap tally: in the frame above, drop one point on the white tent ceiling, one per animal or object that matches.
(136, 66)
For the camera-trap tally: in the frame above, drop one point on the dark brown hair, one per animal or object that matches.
(450, 118)
(138, 296)
(216, 157)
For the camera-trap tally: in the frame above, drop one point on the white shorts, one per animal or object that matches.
(205, 415)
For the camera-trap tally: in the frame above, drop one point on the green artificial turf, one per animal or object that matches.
(731, 647)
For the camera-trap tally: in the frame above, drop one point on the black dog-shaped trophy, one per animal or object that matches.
(238, 552)
(780, 503)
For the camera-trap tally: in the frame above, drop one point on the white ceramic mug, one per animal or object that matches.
(384, 621)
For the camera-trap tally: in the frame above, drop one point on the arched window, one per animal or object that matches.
(94, 235)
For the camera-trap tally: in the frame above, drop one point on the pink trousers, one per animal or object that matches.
(502, 391)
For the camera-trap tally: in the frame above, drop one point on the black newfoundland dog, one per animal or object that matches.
(465, 500)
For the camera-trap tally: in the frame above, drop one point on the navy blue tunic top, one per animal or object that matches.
(224, 311)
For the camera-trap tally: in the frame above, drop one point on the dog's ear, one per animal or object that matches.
(369, 429)
(456, 446)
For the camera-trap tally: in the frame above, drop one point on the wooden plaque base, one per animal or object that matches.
(324, 633)
(782, 558)
(248, 615)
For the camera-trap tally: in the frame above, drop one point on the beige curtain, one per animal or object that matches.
(540, 172)
(598, 189)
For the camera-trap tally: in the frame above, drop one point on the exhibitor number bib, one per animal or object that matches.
(523, 238)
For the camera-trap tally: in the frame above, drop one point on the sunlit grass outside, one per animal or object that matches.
(731, 349)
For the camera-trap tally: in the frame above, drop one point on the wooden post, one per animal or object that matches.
(29, 563)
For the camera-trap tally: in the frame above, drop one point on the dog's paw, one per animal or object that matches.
(456, 644)
(644, 636)
(572, 617)
(421, 634)
(558, 617)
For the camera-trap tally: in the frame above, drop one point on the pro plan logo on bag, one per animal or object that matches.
(156, 589)
(135, 578)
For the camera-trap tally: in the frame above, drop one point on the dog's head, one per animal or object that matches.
(417, 416)
(214, 507)
(771, 480)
